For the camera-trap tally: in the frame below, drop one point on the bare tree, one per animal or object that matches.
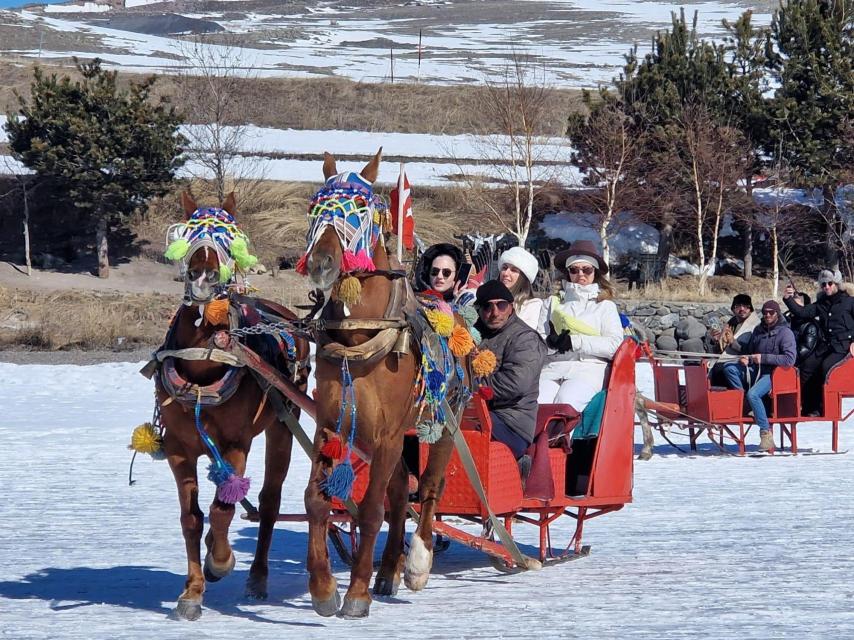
(212, 86)
(707, 163)
(25, 182)
(605, 150)
(518, 100)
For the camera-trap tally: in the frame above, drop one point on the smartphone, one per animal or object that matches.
(464, 272)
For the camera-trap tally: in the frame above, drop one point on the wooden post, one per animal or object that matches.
(401, 202)
(391, 50)
(419, 55)
(102, 246)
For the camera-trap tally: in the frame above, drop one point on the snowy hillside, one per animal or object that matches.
(713, 546)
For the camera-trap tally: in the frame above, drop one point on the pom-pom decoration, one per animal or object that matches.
(216, 312)
(145, 439)
(429, 431)
(177, 249)
(486, 393)
(240, 252)
(475, 335)
(349, 291)
(484, 363)
(442, 323)
(460, 342)
(302, 265)
(333, 448)
(353, 262)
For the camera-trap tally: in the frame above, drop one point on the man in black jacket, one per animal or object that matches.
(833, 310)
(521, 354)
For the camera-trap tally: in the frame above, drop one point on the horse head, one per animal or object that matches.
(209, 245)
(343, 230)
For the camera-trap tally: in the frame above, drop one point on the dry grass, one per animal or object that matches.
(718, 289)
(335, 103)
(82, 320)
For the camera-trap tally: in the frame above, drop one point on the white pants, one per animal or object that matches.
(574, 383)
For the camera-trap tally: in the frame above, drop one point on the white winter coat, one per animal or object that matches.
(588, 361)
(530, 312)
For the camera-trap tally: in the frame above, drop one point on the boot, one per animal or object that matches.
(766, 441)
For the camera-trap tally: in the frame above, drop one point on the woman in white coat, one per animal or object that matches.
(517, 270)
(582, 329)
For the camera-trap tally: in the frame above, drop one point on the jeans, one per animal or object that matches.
(735, 376)
(502, 433)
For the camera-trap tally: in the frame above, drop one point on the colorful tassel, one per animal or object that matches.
(216, 312)
(469, 314)
(444, 307)
(349, 291)
(475, 335)
(145, 439)
(333, 449)
(486, 393)
(442, 323)
(460, 342)
(233, 490)
(484, 363)
(224, 274)
(429, 431)
(177, 249)
(239, 250)
(302, 265)
(339, 483)
(353, 262)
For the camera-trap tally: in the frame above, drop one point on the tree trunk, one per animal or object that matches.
(27, 232)
(748, 251)
(102, 246)
(775, 261)
(831, 245)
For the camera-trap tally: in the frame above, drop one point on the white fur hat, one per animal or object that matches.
(522, 260)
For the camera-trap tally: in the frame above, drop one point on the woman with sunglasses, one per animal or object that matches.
(591, 330)
(833, 310)
(517, 270)
(437, 271)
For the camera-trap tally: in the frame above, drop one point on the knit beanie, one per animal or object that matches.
(492, 290)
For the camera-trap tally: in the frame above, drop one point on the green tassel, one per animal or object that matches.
(429, 431)
(224, 274)
(240, 252)
(177, 249)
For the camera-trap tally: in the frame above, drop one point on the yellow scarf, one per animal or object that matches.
(562, 321)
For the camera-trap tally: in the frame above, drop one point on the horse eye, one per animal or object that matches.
(212, 276)
(194, 275)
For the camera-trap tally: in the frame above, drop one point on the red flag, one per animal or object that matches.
(401, 196)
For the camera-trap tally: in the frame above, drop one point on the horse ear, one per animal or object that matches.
(229, 205)
(329, 168)
(188, 203)
(372, 169)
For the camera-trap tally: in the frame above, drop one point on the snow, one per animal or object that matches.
(712, 547)
(86, 7)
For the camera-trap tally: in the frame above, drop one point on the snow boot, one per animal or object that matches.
(766, 441)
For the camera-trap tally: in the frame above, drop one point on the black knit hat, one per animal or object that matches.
(492, 290)
(742, 298)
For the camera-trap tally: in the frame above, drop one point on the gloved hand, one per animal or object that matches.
(560, 342)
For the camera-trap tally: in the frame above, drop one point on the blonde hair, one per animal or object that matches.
(606, 290)
(522, 291)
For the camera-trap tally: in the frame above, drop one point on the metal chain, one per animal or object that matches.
(272, 328)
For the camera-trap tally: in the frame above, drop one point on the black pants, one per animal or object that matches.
(814, 370)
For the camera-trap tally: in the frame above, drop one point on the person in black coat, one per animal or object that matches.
(833, 312)
(807, 333)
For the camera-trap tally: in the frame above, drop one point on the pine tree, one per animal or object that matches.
(106, 150)
(811, 56)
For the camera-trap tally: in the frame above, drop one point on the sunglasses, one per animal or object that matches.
(585, 270)
(826, 284)
(500, 305)
(435, 271)
(769, 313)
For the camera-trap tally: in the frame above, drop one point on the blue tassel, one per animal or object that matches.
(475, 335)
(435, 380)
(339, 483)
(219, 473)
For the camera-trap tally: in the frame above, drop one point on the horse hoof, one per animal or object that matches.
(256, 588)
(418, 564)
(354, 609)
(385, 587)
(645, 455)
(329, 607)
(188, 609)
(214, 573)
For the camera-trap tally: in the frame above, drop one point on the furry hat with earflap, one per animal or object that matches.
(522, 260)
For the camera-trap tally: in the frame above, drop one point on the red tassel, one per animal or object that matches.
(333, 449)
(302, 265)
(486, 393)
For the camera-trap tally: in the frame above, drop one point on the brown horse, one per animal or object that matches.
(384, 396)
(233, 410)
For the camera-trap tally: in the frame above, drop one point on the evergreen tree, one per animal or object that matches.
(106, 150)
(811, 56)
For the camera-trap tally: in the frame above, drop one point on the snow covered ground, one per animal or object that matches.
(712, 547)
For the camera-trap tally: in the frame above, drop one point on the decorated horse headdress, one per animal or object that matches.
(217, 230)
(347, 203)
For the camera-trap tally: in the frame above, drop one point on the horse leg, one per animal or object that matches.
(276, 463)
(321, 584)
(388, 577)
(643, 418)
(220, 561)
(419, 561)
(357, 601)
(189, 605)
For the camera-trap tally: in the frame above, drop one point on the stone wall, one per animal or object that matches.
(675, 325)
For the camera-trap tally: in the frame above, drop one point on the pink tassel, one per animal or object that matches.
(233, 490)
(349, 262)
(364, 262)
(444, 307)
(302, 265)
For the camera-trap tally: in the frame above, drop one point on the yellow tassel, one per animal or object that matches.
(145, 439)
(442, 323)
(484, 363)
(349, 291)
(460, 342)
(216, 312)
